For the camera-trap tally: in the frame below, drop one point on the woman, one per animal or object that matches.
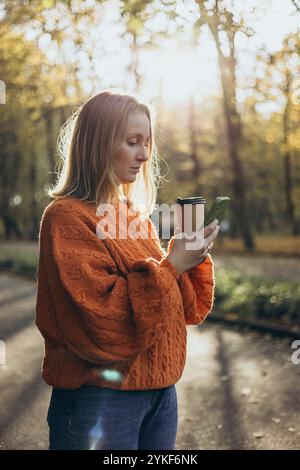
(113, 310)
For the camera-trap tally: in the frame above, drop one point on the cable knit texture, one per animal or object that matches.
(113, 312)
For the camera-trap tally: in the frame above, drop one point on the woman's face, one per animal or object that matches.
(134, 151)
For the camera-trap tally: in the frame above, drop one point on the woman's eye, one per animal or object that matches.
(131, 143)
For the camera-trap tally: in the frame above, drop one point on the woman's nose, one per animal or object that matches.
(143, 155)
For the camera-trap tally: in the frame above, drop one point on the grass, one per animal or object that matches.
(18, 260)
(257, 298)
(272, 245)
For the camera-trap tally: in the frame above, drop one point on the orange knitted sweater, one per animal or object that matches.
(113, 312)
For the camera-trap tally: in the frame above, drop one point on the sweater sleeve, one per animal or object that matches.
(197, 287)
(104, 315)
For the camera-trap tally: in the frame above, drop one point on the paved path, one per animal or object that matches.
(234, 384)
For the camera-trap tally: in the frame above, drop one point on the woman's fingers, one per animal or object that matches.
(208, 230)
(210, 227)
(212, 236)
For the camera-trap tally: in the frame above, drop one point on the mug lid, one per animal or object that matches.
(190, 200)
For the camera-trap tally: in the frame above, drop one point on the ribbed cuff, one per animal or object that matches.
(165, 263)
(207, 262)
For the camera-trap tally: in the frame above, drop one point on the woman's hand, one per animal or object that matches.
(183, 259)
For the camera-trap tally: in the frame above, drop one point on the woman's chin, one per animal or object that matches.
(128, 179)
(131, 178)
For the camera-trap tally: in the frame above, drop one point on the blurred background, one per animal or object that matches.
(224, 79)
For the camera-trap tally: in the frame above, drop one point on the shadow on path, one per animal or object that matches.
(15, 297)
(232, 426)
(23, 398)
(13, 325)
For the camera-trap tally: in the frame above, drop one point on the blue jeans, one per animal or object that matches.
(91, 417)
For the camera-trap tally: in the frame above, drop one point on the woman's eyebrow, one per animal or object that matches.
(137, 134)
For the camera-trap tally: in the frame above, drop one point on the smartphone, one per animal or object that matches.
(217, 210)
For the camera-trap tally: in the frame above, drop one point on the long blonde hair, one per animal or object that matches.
(88, 143)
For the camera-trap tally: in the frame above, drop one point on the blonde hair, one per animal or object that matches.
(88, 144)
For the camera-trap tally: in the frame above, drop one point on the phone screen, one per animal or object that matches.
(217, 210)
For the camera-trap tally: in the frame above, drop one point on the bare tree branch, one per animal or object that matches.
(296, 5)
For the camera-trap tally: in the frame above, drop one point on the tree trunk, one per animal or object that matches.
(50, 145)
(10, 161)
(197, 167)
(234, 134)
(33, 232)
(291, 218)
(227, 65)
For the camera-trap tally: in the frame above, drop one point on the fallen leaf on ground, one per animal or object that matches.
(275, 420)
(246, 392)
(254, 401)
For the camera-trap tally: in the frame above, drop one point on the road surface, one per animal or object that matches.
(238, 390)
